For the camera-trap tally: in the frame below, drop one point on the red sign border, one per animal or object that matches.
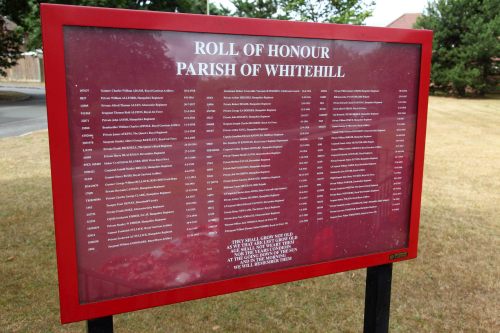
(55, 17)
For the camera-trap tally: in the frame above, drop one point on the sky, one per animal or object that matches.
(385, 11)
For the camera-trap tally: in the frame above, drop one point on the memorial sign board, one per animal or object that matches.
(195, 156)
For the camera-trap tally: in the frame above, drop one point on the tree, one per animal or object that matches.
(10, 45)
(466, 42)
(180, 6)
(31, 18)
(331, 11)
(14, 9)
(258, 9)
(11, 37)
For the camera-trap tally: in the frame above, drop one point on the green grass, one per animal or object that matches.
(452, 287)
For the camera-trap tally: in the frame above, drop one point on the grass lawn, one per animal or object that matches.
(454, 285)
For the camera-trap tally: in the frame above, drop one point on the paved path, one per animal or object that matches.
(18, 118)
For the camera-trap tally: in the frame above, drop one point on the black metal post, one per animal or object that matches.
(378, 299)
(100, 325)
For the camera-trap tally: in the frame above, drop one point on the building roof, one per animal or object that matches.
(405, 21)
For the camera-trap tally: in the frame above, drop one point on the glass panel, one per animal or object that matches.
(198, 157)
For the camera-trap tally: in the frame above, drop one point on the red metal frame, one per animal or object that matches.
(55, 17)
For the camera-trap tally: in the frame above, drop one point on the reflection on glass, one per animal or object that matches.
(198, 157)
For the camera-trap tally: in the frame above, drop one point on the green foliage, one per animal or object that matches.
(466, 44)
(14, 9)
(257, 9)
(27, 12)
(10, 40)
(180, 6)
(332, 11)
(10, 44)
